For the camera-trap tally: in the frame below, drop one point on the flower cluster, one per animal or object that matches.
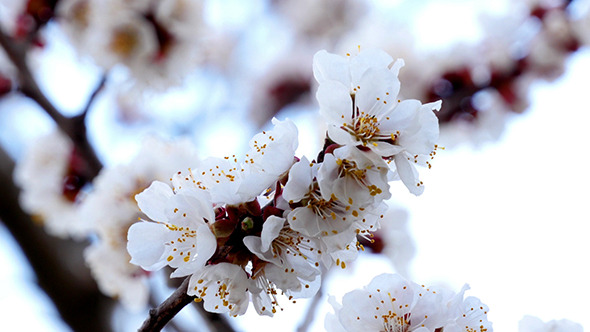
(245, 229)
(391, 303)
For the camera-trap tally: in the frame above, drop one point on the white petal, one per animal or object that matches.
(378, 92)
(369, 58)
(408, 174)
(206, 244)
(154, 199)
(335, 102)
(341, 137)
(327, 66)
(304, 221)
(270, 230)
(300, 177)
(146, 245)
(397, 65)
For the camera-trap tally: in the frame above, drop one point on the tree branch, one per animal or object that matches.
(74, 127)
(163, 313)
(58, 264)
(93, 96)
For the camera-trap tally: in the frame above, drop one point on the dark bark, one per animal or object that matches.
(58, 264)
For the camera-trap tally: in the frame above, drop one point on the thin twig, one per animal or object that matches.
(93, 96)
(17, 53)
(73, 127)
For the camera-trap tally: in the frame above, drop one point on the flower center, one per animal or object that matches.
(364, 127)
(322, 207)
(395, 323)
(350, 168)
(124, 41)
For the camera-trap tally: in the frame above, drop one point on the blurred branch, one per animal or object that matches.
(58, 264)
(73, 127)
(93, 96)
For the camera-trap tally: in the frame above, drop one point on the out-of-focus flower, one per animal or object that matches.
(534, 324)
(157, 41)
(50, 181)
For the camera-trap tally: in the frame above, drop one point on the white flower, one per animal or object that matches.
(534, 324)
(352, 176)
(289, 261)
(157, 41)
(110, 208)
(391, 303)
(232, 182)
(468, 315)
(223, 287)
(321, 213)
(342, 248)
(358, 98)
(180, 236)
(41, 175)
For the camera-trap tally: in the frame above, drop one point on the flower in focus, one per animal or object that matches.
(219, 224)
(293, 259)
(179, 236)
(249, 229)
(351, 175)
(319, 213)
(232, 181)
(358, 99)
(223, 287)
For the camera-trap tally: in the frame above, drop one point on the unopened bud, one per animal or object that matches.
(247, 224)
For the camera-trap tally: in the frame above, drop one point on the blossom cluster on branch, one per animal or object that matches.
(250, 228)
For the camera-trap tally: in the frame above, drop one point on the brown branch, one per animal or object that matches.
(73, 127)
(162, 314)
(93, 95)
(58, 264)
